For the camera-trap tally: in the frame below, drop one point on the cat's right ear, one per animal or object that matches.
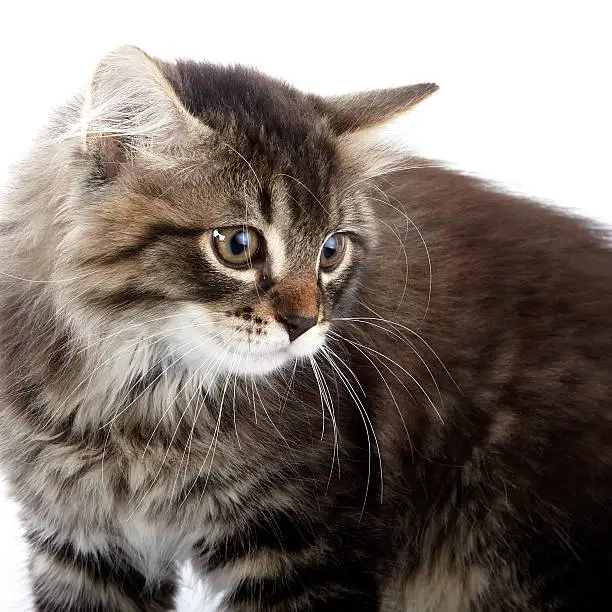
(131, 109)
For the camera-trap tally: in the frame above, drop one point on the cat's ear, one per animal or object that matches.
(131, 108)
(362, 148)
(369, 109)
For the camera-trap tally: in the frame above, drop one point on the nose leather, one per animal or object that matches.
(296, 325)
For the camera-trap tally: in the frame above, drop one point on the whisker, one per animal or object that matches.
(174, 399)
(416, 382)
(410, 331)
(47, 281)
(246, 161)
(199, 407)
(389, 389)
(414, 350)
(212, 443)
(158, 377)
(361, 389)
(218, 427)
(86, 379)
(234, 404)
(327, 400)
(244, 228)
(156, 477)
(413, 224)
(323, 401)
(288, 387)
(368, 426)
(399, 238)
(268, 417)
(121, 331)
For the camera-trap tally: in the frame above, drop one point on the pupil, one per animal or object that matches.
(330, 247)
(239, 243)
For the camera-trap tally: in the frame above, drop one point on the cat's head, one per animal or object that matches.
(220, 212)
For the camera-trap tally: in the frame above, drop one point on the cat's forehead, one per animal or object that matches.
(268, 124)
(281, 202)
(253, 103)
(270, 161)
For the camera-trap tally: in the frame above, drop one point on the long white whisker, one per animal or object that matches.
(399, 335)
(179, 358)
(50, 281)
(234, 404)
(411, 222)
(368, 427)
(121, 331)
(246, 161)
(268, 417)
(155, 478)
(416, 382)
(323, 401)
(410, 331)
(218, 426)
(388, 388)
(288, 387)
(178, 393)
(327, 400)
(215, 433)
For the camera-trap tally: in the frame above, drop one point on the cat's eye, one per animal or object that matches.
(332, 251)
(237, 246)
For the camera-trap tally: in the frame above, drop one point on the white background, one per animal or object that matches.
(525, 93)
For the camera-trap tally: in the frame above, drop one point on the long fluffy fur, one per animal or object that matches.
(439, 441)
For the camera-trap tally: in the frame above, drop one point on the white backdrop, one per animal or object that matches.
(525, 93)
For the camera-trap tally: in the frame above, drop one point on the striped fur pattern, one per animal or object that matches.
(438, 437)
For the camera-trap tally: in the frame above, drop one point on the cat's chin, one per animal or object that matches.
(264, 359)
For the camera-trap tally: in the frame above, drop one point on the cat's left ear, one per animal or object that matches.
(361, 148)
(131, 109)
(354, 112)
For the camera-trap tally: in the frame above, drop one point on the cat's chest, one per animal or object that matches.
(165, 519)
(172, 486)
(156, 546)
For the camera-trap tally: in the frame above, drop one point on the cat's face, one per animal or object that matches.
(233, 236)
(275, 269)
(249, 271)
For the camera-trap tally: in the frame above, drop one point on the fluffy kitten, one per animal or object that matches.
(238, 330)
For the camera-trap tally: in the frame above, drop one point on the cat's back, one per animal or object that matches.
(505, 257)
(515, 298)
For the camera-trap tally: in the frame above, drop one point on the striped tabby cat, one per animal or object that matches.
(238, 329)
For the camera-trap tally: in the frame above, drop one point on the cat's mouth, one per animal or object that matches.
(235, 350)
(263, 357)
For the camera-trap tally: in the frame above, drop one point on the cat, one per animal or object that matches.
(241, 328)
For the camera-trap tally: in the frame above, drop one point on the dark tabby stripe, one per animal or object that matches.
(313, 578)
(101, 582)
(125, 297)
(276, 531)
(323, 586)
(154, 234)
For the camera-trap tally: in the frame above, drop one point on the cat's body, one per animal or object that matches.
(462, 463)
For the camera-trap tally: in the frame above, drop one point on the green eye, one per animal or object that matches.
(332, 251)
(236, 246)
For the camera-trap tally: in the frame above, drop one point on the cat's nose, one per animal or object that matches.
(296, 325)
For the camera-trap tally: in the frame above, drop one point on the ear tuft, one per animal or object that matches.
(358, 111)
(131, 106)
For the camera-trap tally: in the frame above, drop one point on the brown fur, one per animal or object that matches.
(440, 440)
